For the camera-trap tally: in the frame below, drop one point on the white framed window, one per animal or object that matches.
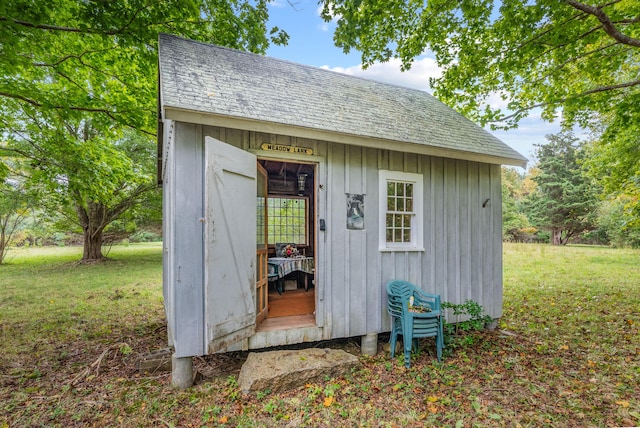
(401, 211)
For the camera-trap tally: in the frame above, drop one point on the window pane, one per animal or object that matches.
(260, 220)
(287, 220)
(402, 208)
(391, 188)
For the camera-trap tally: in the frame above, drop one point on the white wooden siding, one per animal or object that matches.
(462, 257)
(183, 236)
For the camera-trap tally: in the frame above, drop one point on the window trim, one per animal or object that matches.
(417, 228)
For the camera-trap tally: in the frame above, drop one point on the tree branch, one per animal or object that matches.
(68, 57)
(562, 45)
(606, 22)
(548, 30)
(575, 58)
(62, 28)
(43, 26)
(57, 107)
(581, 94)
(109, 113)
(605, 89)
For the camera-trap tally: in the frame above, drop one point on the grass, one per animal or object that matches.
(567, 353)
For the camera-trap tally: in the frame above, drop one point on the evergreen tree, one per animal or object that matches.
(565, 201)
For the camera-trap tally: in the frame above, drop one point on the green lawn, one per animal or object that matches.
(568, 353)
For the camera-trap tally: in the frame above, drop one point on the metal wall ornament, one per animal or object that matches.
(302, 181)
(355, 211)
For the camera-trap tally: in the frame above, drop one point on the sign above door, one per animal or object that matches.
(286, 149)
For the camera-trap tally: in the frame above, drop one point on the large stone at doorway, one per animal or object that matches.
(281, 370)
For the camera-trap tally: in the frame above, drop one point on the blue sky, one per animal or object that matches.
(311, 43)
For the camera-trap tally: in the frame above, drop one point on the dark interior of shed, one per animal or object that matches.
(290, 181)
(291, 219)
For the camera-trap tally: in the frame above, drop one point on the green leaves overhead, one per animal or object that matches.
(577, 61)
(78, 96)
(563, 56)
(99, 57)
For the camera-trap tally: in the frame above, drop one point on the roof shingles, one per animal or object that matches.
(211, 79)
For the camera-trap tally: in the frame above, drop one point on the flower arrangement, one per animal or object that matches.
(290, 251)
(287, 250)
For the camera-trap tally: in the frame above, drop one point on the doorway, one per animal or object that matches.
(291, 243)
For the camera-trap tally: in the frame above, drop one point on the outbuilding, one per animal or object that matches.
(358, 182)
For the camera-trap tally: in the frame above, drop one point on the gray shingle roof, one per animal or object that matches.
(211, 79)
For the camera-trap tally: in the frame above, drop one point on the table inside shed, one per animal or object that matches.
(283, 266)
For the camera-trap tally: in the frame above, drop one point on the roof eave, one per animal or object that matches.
(192, 116)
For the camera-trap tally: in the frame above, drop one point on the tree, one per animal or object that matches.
(577, 60)
(100, 57)
(513, 219)
(78, 81)
(87, 174)
(613, 160)
(565, 201)
(15, 204)
(577, 57)
(613, 221)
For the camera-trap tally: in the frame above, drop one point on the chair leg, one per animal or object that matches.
(407, 339)
(439, 339)
(393, 340)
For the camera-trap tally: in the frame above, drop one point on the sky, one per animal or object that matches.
(311, 43)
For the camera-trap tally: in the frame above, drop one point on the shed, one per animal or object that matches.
(369, 182)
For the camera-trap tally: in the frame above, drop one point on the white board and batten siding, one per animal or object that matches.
(183, 239)
(244, 100)
(462, 256)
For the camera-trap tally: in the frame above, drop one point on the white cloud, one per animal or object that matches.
(324, 26)
(530, 131)
(278, 3)
(327, 26)
(495, 100)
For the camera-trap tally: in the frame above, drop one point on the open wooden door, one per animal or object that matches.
(262, 251)
(230, 269)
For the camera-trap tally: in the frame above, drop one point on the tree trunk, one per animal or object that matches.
(95, 216)
(4, 242)
(92, 220)
(92, 245)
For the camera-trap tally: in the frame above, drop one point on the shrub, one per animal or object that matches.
(145, 236)
(455, 333)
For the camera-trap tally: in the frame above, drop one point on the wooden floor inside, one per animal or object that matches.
(292, 302)
(291, 309)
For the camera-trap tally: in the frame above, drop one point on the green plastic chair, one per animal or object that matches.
(272, 274)
(414, 315)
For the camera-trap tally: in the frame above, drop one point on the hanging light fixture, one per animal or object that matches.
(302, 181)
